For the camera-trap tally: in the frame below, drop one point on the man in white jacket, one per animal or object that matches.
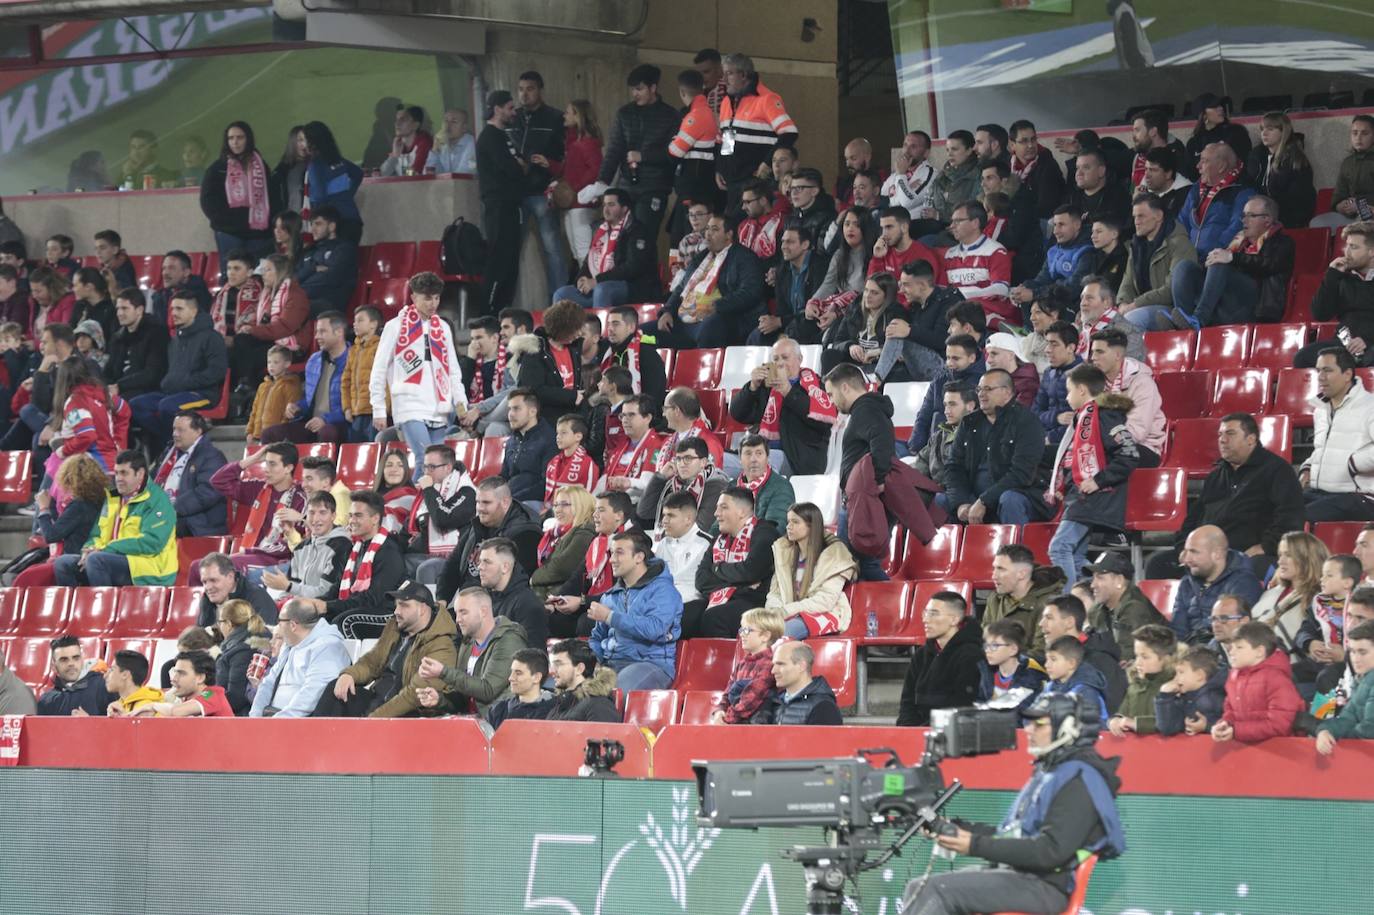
(417, 361)
(1341, 467)
(313, 654)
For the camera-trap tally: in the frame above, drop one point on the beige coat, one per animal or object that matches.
(834, 569)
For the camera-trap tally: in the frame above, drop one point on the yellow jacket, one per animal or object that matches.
(143, 530)
(144, 695)
(357, 376)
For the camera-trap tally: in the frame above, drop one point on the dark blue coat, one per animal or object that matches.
(932, 409)
(197, 360)
(1193, 604)
(527, 456)
(335, 185)
(88, 694)
(1222, 221)
(201, 510)
(1173, 709)
(1053, 399)
(328, 272)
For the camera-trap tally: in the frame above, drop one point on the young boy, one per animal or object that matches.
(353, 389)
(529, 667)
(1192, 701)
(959, 401)
(1261, 700)
(1155, 648)
(1068, 674)
(1356, 719)
(751, 682)
(1091, 468)
(57, 251)
(278, 389)
(1011, 678)
(571, 465)
(1321, 634)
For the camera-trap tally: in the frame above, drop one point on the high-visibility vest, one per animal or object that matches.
(697, 135)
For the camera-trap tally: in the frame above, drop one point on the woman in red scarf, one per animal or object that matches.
(236, 196)
(567, 538)
(393, 485)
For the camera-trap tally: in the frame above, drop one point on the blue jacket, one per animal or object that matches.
(201, 509)
(335, 185)
(1173, 709)
(1065, 264)
(1086, 680)
(312, 380)
(1222, 222)
(1053, 399)
(1029, 676)
(1192, 617)
(329, 272)
(88, 694)
(527, 457)
(645, 623)
(932, 409)
(307, 669)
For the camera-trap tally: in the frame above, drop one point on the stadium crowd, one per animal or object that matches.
(619, 522)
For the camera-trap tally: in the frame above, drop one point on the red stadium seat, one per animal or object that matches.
(94, 611)
(221, 408)
(183, 610)
(147, 270)
(144, 647)
(1036, 537)
(1170, 350)
(698, 704)
(1238, 390)
(1300, 294)
(1366, 377)
(428, 257)
(713, 407)
(1276, 434)
(30, 659)
(357, 465)
(1225, 346)
(10, 602)
(895, 543)
(1312, 250)
(1274, 345)
(653, 709)
(466, 451)
(1157, 499)
(1188, 394)
(209, 270)
(836, 660)
(390, 295)
(1339, 536)
(142, 611)
(489, 457)
(981, 543)
(668, 356)
(44, 612)
(891, 604)
(934, 560)
(1295, 388)
(388, 260)
(1324, 197)
(16, 477)
(191, 549)
(1161, 592)
(697, 368)
(704, 664)
(1081, 875)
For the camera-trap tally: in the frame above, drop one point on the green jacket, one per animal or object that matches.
(1357, 718)
(1134, 611)
(771, 503)
(569, 554)
(488, 681)
(144, 530)
(1176, 249)
(1140, 699)
(1356, 177)
(1046, 582)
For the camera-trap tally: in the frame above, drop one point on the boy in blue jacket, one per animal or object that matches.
(1192, 701)
(1011, 678)
(1068, 674)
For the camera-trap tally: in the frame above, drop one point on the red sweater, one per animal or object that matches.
(581, 161)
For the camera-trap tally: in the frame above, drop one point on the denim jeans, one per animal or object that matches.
(642, 675)
(1069, 548)
(921, 363)
(154, 412)
(227, 244)
(536, 207)
(1219, 294)
(254, 573)
(418, 437)
(102, 570)
(606, 294)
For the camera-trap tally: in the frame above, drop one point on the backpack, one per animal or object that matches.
(463, 251)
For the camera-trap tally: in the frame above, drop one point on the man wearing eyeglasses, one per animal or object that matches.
(1245, 281)
(1229, 613)
(990, 474)
(811, 205)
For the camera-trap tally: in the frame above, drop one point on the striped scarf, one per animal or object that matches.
(357, 573)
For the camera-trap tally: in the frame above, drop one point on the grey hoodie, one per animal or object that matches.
(317, 565)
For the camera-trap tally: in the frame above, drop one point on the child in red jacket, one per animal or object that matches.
(1261, 700)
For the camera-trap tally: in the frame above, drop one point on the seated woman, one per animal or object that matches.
(394, 486)
(844, 279)
(858, 336)
(244, 634)
(83, 486)
(811, 567)
(1295, 582)
(563, 548)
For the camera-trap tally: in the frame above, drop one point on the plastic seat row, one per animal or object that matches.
(727, 369)
(131, 611)
(705, 664)
(1231, 346)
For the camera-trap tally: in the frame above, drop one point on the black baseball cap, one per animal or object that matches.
(413, 590)
(1116, 563)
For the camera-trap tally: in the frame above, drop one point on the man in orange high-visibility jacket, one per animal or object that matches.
(753, 122)
(694, 147)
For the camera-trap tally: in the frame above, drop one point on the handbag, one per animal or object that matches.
(561, 195)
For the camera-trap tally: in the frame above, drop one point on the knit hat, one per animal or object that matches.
(92, 329)
(1004, 341)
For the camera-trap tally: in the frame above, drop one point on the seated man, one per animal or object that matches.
(1012, 218)
(1097, 311)
(317, 562)
(489, 644)
(114, 261)
(1093, 195)
(1165, 181)
(1146, 420)
(736, 574)
(527, 698)
(946, 670)
(630, 465)
(374, 567)
(773, 493)
(194, 693)
(606, 431)
(77, 688)
(1342, 460)
(528, 450)
(1002, 350)
(1213, 569)
(1020, 590)
(1346, 296)
(328, 269)
(682, 543)
(263, 536)
(1160, 246)
(689, 471)
(960, 400)
(796, 278)
(979, 266)
(184, 473)
(508, 586)
(497, 515)
(1051, 400)
(895, 248)
(761, 228)
(1211, 212)
(197, 365)
(234, 308)
(801, 697)
(613, 514)
(991, 468)
(789, 406)
(313, 653)
(914, 348)
(318, 416)
(629, 349)
(585, 690)
(385, 682)
(622, 263)
(178, 278)
(446, 505)
(127, 678)
(1121, 607)
(135, 542)
(720, 296)
(639, 620)
(1067, 261)
(963, 365)
(1245, 281)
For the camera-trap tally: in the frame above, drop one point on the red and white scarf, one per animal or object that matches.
(1138, 170)
(629, 459)
(615, 431)
(357, 573)
(441, 543)
(601, 255)
(576, 469)
(757, 485)
(550, 540)
(275, 306)
(417, 337)
(1102, 323)
(699, 428)
(598, 564)
(260, 532)
(248, 188)
(1022, 169)
(819, 406)
(702, 283)
(731, 549)
(696, 486)
(1207, 193)
(1243, 245)
(760, 235)
(1085, 456)
(628, 359)
(245, 306)
(477, 388)
(398, 503)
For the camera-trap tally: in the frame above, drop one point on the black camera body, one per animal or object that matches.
(602, 756)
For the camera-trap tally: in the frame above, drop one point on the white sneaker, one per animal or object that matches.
(29, 510)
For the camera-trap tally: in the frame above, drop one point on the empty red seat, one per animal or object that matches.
(1339, 536)
(29, 658)
(16, 477)
(94, 611)
(44, 612)
(1238, 390)
(1157, 499)
(889, 602)
(147, 270)
(697, 368)
(1300, 294)
(925, 561)
(489, 456)
(1185, 394)
(10, 601)
(141, 611)
(1161, 592)
(980, 544)
(704, 664)
(653, 709)
(896, 542)
(209, 269)
(836, 660)
(1312, 250)
(698, 704)
(183, 610)
(713, 407)
(1274, 345)
(1170, 350)
(390, 295)
(387, 260)
(191, 549)
(1292, 393)
(1224, 346)
(1036, 537)
(357, 464)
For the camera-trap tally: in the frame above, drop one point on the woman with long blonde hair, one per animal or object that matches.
(1296, 580)
(563, 548)
(811, 567)
(581, 163)
(245, 634)
(1278, 168)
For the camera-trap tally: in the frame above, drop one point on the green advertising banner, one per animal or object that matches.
(125, 842)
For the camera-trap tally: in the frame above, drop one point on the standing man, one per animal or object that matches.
(318, 416)
(328, 270)
(753, 122)
(695, 148)
(184, 473)
(707, 63)
(135, 541)
(417, 366)
(631, 351)
(537, 135)
(868, 432)
(501, 175)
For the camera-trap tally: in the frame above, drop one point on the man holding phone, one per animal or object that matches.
(1346, 295)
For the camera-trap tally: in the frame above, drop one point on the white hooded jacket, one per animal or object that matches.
(417, 401)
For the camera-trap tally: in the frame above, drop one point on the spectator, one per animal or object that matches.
(328, 269)
(1009, 678)
(490, 642)
(1211, 213)
(551, 359)
(606, 427)
(178, 279)
(681, 543)
(1252, 495)
(1107, 260)
(720, 301)
(811, 570)
(1002, 351)
(844, 279)
(571, 464)
(393, 484)
(1012, 219)
(234, 308)
(745, 700)
(332, 181)
(1051, 398)
(1158, 251)
(688, 246)
(614, 512)
(800, 697)
(68, 526)
(1066, 617)
(859, 336)
(318, 561)
(286, 236)
(1093, 195)
(639, 619)
(85, 419)
(455, 148)
(895, 248)
(689, 470)
(313, 654)
(912, 182)
(735, 576)
(1213, 569)
(263, 537)
(789, 405)
(1364, 549)
(57, 345)
(946, 669)
(1146, 421)
(9, 230)
(288, 177)
(1036, 168)
(627, 349)
(184, 473)
(1244, 282)
(501, 179)
(197, 369)
(959, 401)
(243, 633)
(1150, 133)
(1228, 614)
(78, 685)
(1069, 674)
(772, 491)
(993, 459)
(1067, 261)
(445, 505)
(1261, 701)
(529, 449)
(498, 515)
(797, 279)
(488, 376)
(707, 62)
(507, 585)
(142, 163)
(1354, 191)
(1098, 312)
(957, 182)
(1278, 168)
(869, 432)
(412, 148)
(354, 389)
(1192, 701)
(858, 160)
(1320, 638)
(92, 302)
(282, 315)
(1293, 587)
(114, 260)
(1165, 181)
(812, 207)
(416, 367)
(53, 300)
(385, 682)
(223, 583)
(281, 388)
(134, 541)
(964, 365)
(1342, 460)
(566, 542)
(318, 415)
(237, 195)
(529, 668)
(194, 692)
(1119, 607)
(913, 346)
(1356, 718)
(637, 150)
(127, 679)
(979, 266)
(1020, 591)
(1346, 295)
(753, 122)
(622, 261)
(584, 687)
(15, 305)
(630, 465)
(1213, 126)
(1155, 647)
(760, 227)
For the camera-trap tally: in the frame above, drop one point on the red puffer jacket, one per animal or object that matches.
(1261, 701)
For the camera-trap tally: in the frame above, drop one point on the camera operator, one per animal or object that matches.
(1067, 806)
